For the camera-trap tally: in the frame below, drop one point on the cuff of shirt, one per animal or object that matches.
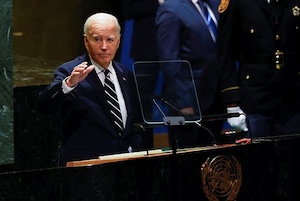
(65, 88)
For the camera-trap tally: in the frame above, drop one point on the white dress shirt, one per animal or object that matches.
(113, 76)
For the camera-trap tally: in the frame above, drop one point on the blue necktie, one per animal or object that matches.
(208, 19)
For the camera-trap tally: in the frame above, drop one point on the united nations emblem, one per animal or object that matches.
(221, 178)
(296, 11)
(223, 6)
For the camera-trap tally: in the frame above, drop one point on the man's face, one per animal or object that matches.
(102, 42)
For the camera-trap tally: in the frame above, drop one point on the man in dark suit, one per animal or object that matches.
(77, 92)
(262, 37)
(183, 34)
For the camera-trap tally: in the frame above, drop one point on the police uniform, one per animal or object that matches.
(260, 40)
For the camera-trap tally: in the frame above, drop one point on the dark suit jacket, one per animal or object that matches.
(87, 130)
(182, 34)
(143, 42)
(252, 40)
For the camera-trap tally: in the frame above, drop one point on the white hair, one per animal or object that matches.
(101, 18)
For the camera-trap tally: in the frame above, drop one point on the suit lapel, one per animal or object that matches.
(197, 17)
(95, 82)
(123, 79)
(190, 7)
(214, 7)
(98, 89)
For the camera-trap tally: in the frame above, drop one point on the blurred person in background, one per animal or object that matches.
(187, 30)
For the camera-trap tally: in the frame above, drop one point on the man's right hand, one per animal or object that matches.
(79, 73)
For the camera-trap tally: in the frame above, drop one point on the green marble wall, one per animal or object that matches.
(6, 84)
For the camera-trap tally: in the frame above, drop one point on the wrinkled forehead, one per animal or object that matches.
(102, 30)
(105, 26)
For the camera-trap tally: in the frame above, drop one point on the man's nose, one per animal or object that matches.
(104, 45)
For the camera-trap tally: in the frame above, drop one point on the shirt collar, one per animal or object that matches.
(100, 69)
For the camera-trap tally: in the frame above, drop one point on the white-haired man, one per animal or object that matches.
(78, 93)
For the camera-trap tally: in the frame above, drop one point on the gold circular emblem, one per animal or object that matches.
(221, 178)
(296, 11)
(223, 6)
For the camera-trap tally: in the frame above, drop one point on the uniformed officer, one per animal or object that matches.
(259, 57)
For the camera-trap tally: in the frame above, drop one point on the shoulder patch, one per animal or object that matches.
(223, 6)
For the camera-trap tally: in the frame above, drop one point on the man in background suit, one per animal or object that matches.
(183, 34)
(77, 92)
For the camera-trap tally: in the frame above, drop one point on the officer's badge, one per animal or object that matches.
(296, 11)
(223, 6)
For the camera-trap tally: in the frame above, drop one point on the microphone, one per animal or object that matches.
(157, 106)
(168, 120)
(170, 105)
(197, 123)
(213, 117)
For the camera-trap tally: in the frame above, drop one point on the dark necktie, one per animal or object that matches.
(112, 100)
(208, 19)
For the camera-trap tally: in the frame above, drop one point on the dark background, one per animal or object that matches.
(52, 30)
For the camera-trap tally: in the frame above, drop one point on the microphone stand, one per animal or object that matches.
(171, 121)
